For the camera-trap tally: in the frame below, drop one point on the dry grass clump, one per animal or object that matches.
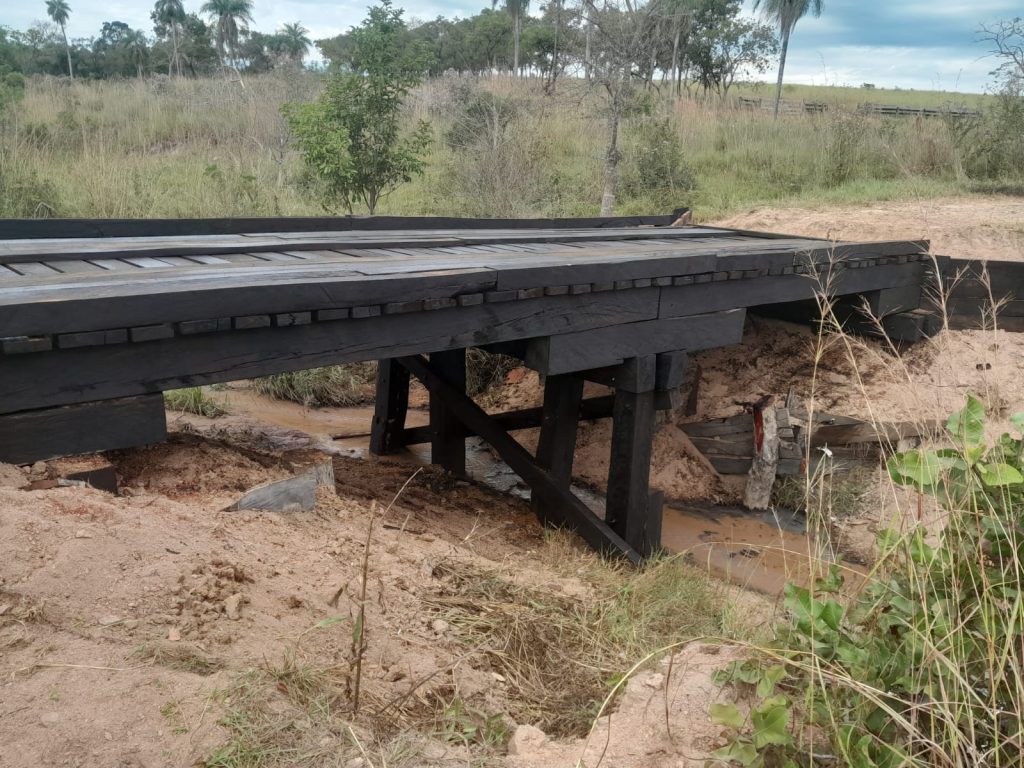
(559, 653)
(194, 400)
(182, 657)
(335, 385)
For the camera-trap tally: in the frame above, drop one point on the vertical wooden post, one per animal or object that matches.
(390, 408)
(557, 444)
(631, 510)
(447, 437)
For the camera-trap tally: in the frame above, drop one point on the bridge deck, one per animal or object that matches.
(93, 320)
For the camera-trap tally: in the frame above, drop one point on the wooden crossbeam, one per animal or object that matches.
(564, 507)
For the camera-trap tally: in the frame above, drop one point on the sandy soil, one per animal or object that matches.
(126, 620)
(979, 227)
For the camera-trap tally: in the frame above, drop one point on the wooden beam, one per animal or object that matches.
(611, 346)
(390, 408)
(447, 438)
(629, 508)
(574, 513)
(99, 373)
(556, 446)
(70, 430)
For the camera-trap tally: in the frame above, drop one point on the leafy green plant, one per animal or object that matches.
(351, 138)
(925, 665)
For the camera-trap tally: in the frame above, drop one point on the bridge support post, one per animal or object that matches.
(632, 511)
(390, 408)
(447, 436)
(556, 446)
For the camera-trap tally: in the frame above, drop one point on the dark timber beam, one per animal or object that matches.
(631, 510)
(390, 408)
(557, 443)
(447, 438)
(70, 430)
(571, 512)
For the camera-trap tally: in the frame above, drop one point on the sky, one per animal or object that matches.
(920, 44)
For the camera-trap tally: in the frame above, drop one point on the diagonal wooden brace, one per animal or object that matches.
(564, 508)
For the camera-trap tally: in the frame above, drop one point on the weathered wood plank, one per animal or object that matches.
(447, 438)
(84, 428)
(611, 346)
(78, 375)
(556, 445)
(629, 509)
(391, 406)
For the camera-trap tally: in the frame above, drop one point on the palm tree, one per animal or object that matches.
(59, 11)
(231, 18)
(786, 13)
(516, 9)
(296, 41)
(135, 42)
(171, 14)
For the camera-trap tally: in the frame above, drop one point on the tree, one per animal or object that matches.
(350, 138)
(624, 32)
(516, 9)
(169, 15)
(231, 18)
(731, 46)
(785, 14)
(295, 41)
(60, 11)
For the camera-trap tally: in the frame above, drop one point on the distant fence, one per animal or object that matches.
(898, 110)
(789, 107)
(785, 106)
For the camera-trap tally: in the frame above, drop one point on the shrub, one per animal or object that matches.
(194, 400)
(335, 385)
(655, 168)
(925, 666)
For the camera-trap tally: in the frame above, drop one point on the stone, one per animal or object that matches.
(440, 626)
(49, 718)
(81, 533)
(526, 738)
(655, 680)
(174, 634)
(233, 607)
(107, 621)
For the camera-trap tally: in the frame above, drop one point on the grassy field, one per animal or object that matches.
(211, 148)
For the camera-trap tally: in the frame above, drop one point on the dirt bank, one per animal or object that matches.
(979, 227)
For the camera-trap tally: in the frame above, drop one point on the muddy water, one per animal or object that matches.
(757, 551)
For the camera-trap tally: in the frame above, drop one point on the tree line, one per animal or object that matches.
(691, 45)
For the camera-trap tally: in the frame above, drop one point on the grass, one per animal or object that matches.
(196, 401)
(208, 148)
(335, 385)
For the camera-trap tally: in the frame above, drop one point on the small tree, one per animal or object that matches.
(351, 137)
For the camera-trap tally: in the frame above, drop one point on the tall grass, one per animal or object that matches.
(210, 148)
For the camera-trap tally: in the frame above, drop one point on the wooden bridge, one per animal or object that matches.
(97, 318)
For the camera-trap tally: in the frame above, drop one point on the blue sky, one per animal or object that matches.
(905, 43)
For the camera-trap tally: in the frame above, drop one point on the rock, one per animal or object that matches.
(106, 621)
(4, 608)
(292, 495)
(355, 762)
(526, 738)
(82, 534)
(174, 634)
(655, 680)
(49, 718)
(131, 624)
(39, 468)
(233, 606)
(440, 626)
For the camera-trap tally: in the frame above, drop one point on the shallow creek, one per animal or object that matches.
(759, 551)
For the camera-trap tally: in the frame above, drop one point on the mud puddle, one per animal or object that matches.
(757, 551)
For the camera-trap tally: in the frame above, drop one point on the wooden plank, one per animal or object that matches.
(206, 358)
(556, 445)
(95, 305)
(611, 346)
(670, 370)
(629, 509)
(53, 228)
(84, 428)
(636, 374)
(35, 268)
(391, 406)
(447, 439)
(574, 513)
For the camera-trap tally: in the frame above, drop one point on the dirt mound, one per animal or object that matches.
(976, 227)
